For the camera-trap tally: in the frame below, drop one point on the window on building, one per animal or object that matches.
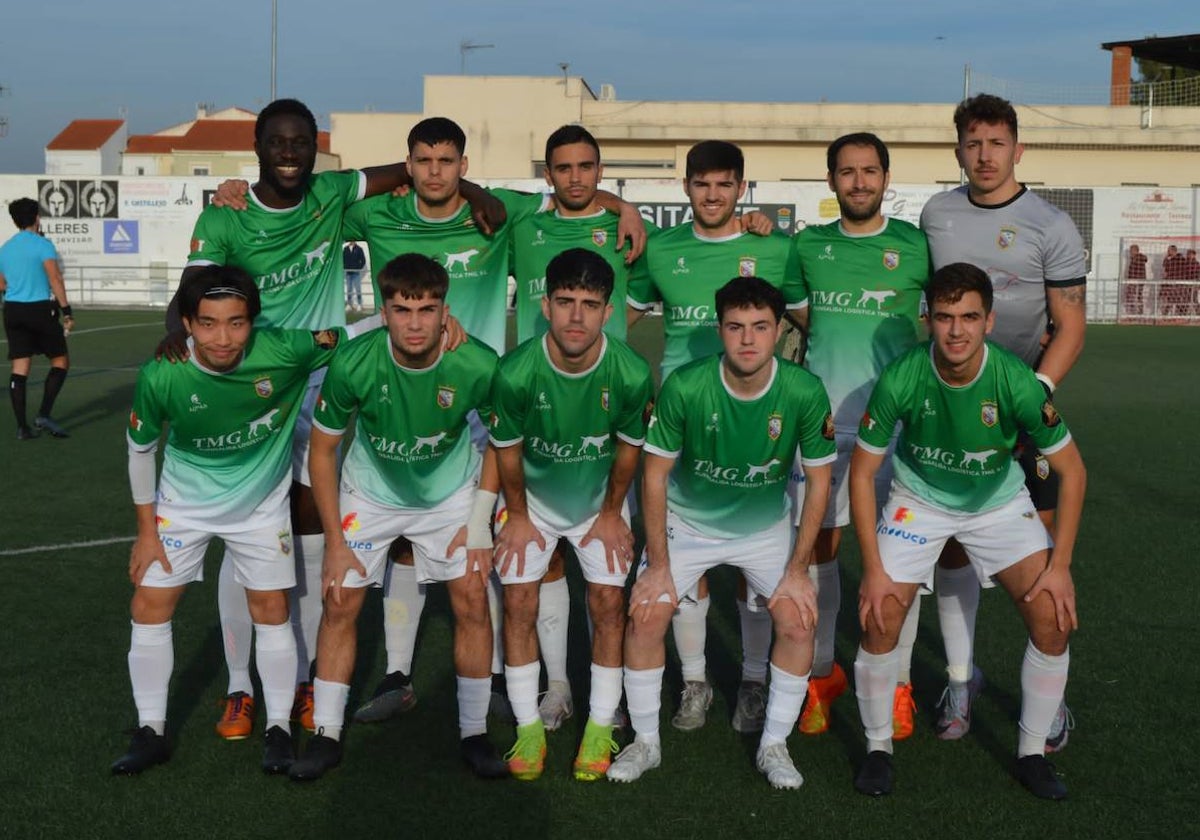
(200, 170)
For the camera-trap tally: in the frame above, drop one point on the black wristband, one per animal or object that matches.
(66, 311)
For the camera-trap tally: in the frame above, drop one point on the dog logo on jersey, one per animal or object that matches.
(604, 398)
(1050, 415)
(879, 296)
(747, 266)
(263, 387)
(350, 523)
(462, 259)
(774, 426)
(325, 339)
(980, 458)
(430, 443)
(827, 430)
(761, 469)
(599, 238)
(595, 442)
(1042, 466)
(266, 421)
(445, 396)
(891, 260)
(989, 413)
(1007, 237)
(285, 542)
(315, 255)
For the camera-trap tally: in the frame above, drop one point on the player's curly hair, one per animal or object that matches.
(289, 107)
(579, 268)
(950, 282)
(987, 109)
(215, 282)
(749, 293)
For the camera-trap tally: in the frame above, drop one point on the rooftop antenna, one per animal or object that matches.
(465, 47)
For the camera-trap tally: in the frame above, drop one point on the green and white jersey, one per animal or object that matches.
(568, 422)
(685, 270)
(478, 265)
(412, 445)
(733, 455)
(229, 435)
(540, 238)
(864, 304)
(956, 442)
(294, 255)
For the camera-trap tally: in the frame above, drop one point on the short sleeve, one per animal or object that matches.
(638, 398)
(210, 238)
(1064, 262)
(883, 411)
(664, 433)
(641, 291)
(337, 400)
(1037, 414)
(507, 424)
(146, 419)
(817, 440)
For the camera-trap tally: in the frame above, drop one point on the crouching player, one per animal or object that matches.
(226, 473)
(961, 403)
(411, 472)
(570, 414)
(719, 451)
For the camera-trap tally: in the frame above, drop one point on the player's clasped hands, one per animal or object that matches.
(613, 531)
(146, 550)
(339, 560)
(514, 537)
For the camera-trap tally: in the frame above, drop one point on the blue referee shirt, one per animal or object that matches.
(22, 262)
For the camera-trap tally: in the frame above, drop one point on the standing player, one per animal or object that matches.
(570, 413)
(411, 472)
(683, 267)
(287, 237)
(230, 410)
(1036, 261)
(863, 276)
(961, 402)
(719, 450)
(34, 295)
(434, 220)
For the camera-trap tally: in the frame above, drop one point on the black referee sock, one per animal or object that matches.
(54, 383)
(16, 390)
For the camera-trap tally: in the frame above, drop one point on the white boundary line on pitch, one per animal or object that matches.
(41, 549)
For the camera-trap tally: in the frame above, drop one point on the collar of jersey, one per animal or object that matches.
(850, 235)
(978, 373)
(257, 203)
(728, 238)
(558, 215)
(442, 221)
(752, 397)
(417, 371)
(582, 373)
(1024, 189)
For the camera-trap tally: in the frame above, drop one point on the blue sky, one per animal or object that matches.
(89, 58)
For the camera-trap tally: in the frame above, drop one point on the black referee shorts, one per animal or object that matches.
(33, 329)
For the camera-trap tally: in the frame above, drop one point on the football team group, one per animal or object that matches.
(917, 404)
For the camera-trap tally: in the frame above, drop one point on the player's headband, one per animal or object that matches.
(223, 291)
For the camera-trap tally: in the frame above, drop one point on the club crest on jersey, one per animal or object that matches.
(989, 413)
(747, 266)
(1007, 237)
(599, 237)
(1050, 415)
(445, 396)
(1043, 467)
(891, 259)
(774, 426)
(263, 387)
(827, 430)
(604, 398)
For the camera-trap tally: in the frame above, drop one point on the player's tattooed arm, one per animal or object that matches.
(1067, 307)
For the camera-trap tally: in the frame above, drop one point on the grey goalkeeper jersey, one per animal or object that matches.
(1024, 245)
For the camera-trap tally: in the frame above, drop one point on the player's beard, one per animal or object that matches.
(854, 214)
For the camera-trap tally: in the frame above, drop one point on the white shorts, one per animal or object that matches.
(762, 557)
(591, 557)
(303, 431)
(911, 534)
(262, 555)
(837, 513)
(370, 528)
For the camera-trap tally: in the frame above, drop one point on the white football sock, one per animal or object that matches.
(875, 687)
(151, 660)
(554, 610)
(1043, 683)
(474, 693)
(643, 693)
(756, 641)
(329, 707)
(305, 601)
(403, 602)
(522, 683)
(237, 628)
(606, 693)
(957, 603)
(827, 578)
(908, 639)
(785, 698)
(690, 625)
(276, 645)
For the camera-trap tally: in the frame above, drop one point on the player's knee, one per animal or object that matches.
(267, 606)
(468, 600)
(1047, 638)
(521, 604)
(606, 604)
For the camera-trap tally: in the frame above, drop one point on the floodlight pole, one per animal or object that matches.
(274, 42)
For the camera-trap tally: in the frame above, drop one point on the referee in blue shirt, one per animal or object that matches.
(34, 297)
